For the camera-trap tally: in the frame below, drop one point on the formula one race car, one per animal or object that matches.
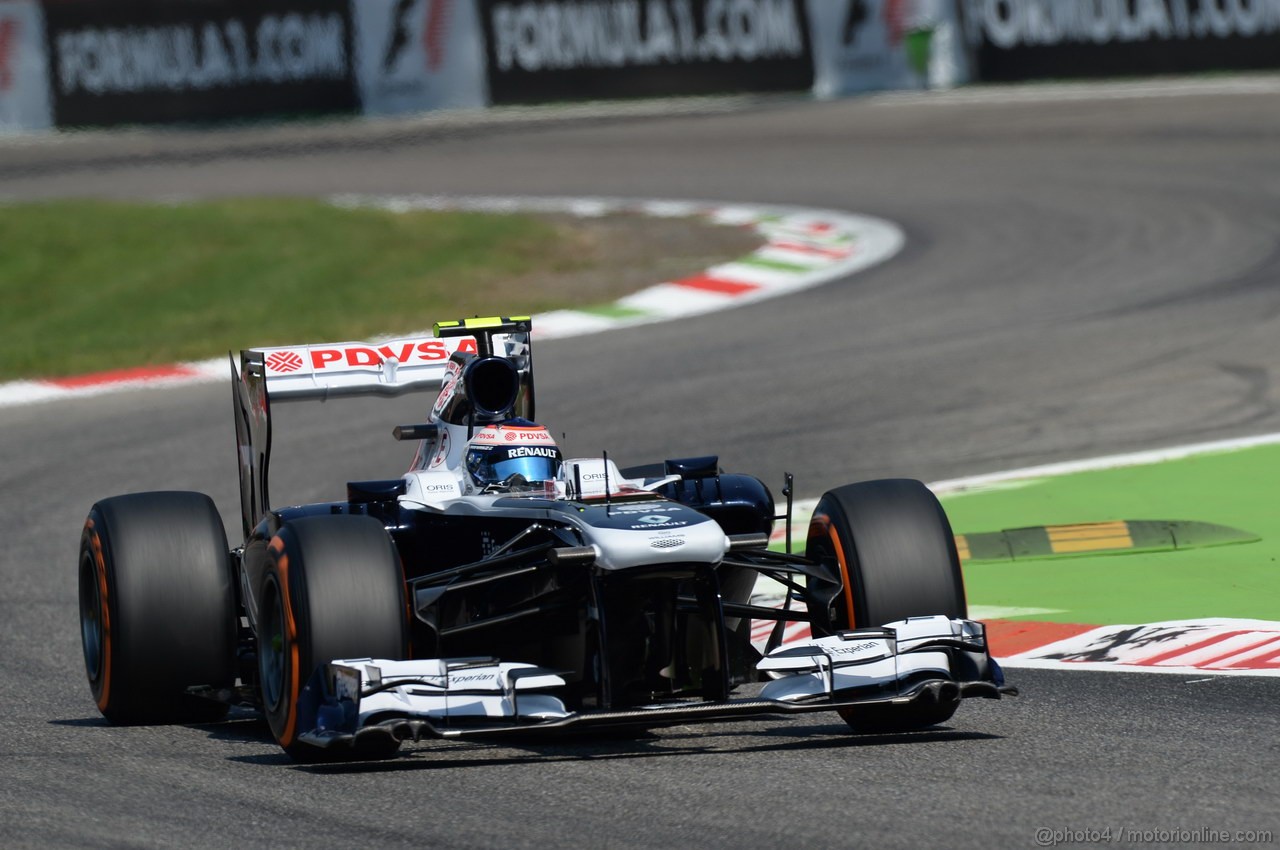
(498, 587)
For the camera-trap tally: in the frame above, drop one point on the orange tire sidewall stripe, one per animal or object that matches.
(95, 543)
(821, 523)
(291, 628)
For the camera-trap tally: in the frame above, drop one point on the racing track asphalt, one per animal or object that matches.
(1081, 278)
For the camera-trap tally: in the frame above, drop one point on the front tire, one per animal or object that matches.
(157, 607)
(892, 547)
(333, 588)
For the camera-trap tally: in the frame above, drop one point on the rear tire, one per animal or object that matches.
(333, 588)
(157, 607)
(892, 545)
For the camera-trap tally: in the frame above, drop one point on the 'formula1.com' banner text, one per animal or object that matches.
(148, 61)
(1024, 39)
(538, 50)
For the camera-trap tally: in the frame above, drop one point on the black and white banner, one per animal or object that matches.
(415, 55)
(1023, 39)
(870, 45)
(582, 49)
(147, 61)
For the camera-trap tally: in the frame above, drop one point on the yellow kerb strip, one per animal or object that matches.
(1090, 537)
(962, 547)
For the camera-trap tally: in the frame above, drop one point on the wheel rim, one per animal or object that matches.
(272, 650)
(91, 622)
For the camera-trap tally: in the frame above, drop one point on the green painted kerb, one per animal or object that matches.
(613, 311)
(774, 265)
(1188, 579)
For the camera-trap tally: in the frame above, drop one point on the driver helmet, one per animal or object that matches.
(512, 455)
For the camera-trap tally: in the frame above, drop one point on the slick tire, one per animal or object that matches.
(157, 607)
(892, 545)
(333, 588)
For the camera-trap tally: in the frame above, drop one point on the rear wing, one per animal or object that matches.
(328, 370)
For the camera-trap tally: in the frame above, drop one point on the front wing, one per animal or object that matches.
(921, 661)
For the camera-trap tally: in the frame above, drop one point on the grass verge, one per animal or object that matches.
(1231, 488)
(93, 285)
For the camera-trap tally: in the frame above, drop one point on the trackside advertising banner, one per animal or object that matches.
(1023, 39)
(415, 55)
(867, 45)
(24, 75)
(539, 50)
(147, 61)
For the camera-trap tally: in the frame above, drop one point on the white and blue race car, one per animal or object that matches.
(498, 587)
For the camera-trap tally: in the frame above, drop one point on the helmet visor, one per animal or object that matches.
(498, 465)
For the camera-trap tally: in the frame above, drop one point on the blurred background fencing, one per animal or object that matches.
(73, 63)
